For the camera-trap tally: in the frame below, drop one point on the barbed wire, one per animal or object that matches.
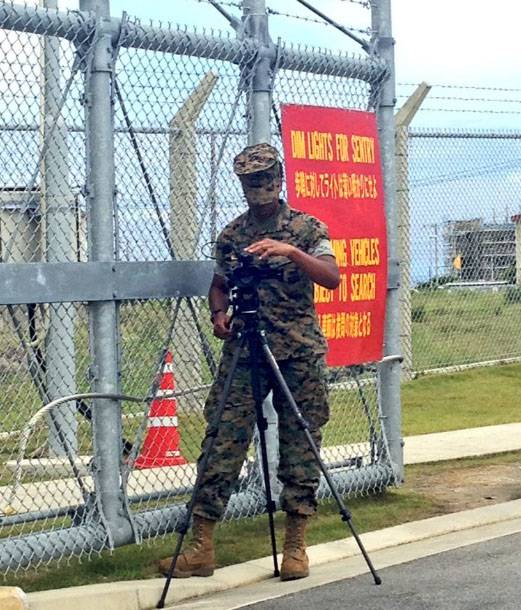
(364, 3)
(469, 99)
(276, 13)
(469, 110)
(222, 3)
(272, 11)
(477, 87)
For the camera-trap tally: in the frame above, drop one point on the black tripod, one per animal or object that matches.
(245, 307)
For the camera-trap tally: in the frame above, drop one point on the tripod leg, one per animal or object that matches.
(262, 425)
(344, 512)
(203, 464)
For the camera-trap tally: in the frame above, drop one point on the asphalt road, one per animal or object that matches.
(481, 576)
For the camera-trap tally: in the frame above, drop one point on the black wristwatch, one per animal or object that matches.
(212, 316)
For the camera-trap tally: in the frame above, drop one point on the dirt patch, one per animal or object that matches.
(470, 487)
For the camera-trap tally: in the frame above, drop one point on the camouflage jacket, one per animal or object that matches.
(286, 308)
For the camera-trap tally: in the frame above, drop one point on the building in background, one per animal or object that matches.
(479, 251)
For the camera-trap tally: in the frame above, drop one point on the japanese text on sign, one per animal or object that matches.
(326, 146)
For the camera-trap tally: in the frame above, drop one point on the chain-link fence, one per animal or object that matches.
(117, 146)
(464, 199)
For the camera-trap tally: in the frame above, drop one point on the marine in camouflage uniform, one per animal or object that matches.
(299, 243)
(287, 314)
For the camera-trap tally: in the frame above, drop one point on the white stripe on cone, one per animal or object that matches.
(162, 422)
(167, 393)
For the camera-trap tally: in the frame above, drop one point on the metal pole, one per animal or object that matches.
(58, 214)
(389, 372)
(256, 27)
(103, 316)
(259, 116)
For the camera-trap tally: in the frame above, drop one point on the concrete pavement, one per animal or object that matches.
(479, 574)
(462, 443)
(425, 537)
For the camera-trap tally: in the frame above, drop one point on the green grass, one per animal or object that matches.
(458, 327)
(468, 399)
(248, 539)
(453, 328)
(236, 542)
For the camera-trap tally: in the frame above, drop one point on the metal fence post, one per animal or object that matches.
(259, 130)
(389, 371)
(103, 315)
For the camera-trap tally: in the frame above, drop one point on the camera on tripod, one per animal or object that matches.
(244, 279)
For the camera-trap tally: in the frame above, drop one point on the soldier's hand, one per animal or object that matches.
(221, 325)
(270, 247)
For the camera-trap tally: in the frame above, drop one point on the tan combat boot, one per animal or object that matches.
(295, 563)
(199, 558)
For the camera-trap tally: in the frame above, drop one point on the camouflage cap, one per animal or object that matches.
(257, 158)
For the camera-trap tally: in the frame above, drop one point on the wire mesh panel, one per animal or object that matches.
(46, 479)
(182, 104)
(464, 196)
(180, 121)
(46, 483)
(165, 434)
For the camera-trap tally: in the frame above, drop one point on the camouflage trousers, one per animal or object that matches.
(298, 470)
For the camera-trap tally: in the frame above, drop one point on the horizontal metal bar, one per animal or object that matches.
(75, 26)
(392, 358)
(19, 552)
(83, 282)
(241, 51)
(33, 516)
(351, 481)
(166, 520)
(71, 25)
(413, 133)
(183, 42)
(455, 368)
(322, 62)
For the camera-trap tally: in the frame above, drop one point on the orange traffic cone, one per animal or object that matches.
(161, 446)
